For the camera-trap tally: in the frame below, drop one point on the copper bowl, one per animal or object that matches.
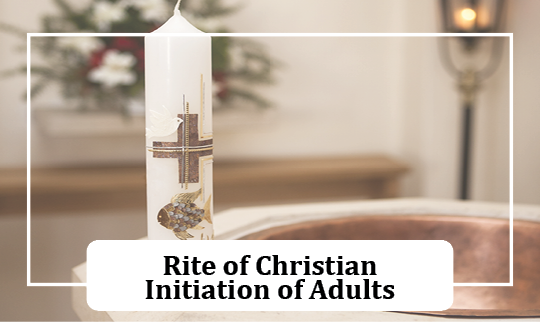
(481, 255)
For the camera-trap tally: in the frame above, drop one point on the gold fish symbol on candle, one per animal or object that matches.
(183, 214)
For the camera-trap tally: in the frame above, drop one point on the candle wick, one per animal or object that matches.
(177, 7)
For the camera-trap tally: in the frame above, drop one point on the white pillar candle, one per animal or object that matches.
(179, 131)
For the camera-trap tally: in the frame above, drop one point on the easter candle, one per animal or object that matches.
(179, 142)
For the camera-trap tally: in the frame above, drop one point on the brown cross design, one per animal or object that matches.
(188, 149)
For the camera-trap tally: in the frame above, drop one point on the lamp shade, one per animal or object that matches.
(471, 16)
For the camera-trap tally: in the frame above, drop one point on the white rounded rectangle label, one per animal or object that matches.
(270, 275)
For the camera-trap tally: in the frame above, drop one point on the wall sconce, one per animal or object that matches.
(470, 16)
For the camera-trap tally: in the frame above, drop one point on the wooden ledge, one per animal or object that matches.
(235, 183)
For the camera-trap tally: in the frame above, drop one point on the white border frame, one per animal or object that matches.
(285, 35)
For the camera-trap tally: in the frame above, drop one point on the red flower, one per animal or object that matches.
(139, 54)
(220, 81)
(96, 58)
(125, 44)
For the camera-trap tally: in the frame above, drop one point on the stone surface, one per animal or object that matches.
(235, 223)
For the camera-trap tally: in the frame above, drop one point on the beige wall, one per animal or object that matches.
(524, 23)
(342, 96)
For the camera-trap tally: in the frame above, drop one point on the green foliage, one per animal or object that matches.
(220, 53)
(238, 64)
(210, 8)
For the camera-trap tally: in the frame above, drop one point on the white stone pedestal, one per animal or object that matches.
(235, 223)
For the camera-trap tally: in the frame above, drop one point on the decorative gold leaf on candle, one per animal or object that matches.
(184, 235)
(208, 237)
(207, 214)
(186, 197)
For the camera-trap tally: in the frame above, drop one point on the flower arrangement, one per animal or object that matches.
(108, 72)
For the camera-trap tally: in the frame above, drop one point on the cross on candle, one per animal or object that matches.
(188, 149)
(177, 57)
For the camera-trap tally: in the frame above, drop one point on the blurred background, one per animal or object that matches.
(342, 118)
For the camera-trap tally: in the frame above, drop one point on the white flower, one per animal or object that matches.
(115, 69)
(217, 88)
(152, 10)
(84, 45)
(105, 13)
